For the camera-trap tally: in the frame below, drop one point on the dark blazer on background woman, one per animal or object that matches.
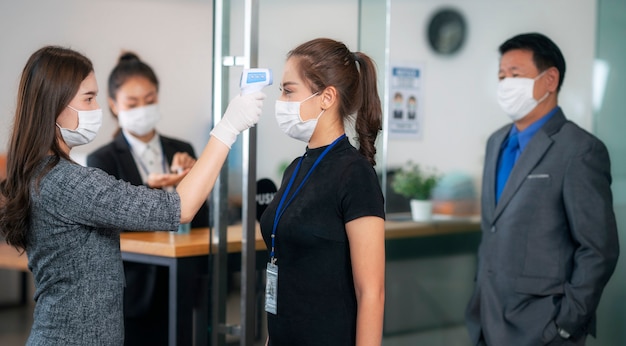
(145, 296)
(117, 159)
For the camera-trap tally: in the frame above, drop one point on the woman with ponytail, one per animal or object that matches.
(325, 227)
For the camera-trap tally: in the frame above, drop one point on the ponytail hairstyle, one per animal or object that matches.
(324, 62)
(128, 66)
(50, 80)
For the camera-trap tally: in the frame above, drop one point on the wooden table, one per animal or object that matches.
(440, 225)
(443, 250)
(167, 244)
(443, 236)
(170, 244)
(186, 256)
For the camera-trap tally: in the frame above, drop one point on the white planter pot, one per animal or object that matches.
(421, 210)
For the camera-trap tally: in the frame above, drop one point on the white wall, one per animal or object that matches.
(175, 38)
(284, 24)
(460, 106)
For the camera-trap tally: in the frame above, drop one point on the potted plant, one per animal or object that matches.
(417, 184)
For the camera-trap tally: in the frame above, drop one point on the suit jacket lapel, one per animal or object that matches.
(127, 162)
(168, 149)
(491, 169)
(530, 157)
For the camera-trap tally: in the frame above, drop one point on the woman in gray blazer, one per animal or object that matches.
(67, 217)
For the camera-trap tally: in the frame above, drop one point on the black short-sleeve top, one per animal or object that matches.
(315, 282)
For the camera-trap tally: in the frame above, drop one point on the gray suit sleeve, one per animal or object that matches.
(589, 207)
(89, 196)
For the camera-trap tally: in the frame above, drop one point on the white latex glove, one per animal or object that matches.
(243, 112)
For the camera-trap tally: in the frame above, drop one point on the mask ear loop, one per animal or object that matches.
(541, 74)
(63, 128)
(320, 115)
(323, 109)
(306, 99)
(544, 97)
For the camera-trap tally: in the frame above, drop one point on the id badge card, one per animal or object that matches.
(271, 288)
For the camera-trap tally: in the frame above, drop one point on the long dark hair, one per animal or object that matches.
(325, 62)
(50, 80)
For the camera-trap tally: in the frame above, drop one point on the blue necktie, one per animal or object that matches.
(505, 165)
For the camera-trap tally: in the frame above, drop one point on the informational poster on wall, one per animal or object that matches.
(405, 104)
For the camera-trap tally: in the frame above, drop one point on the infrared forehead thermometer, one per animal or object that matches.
(255, 79)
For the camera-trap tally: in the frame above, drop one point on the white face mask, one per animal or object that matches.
(89, 123)
(515, 96)
(290, 122)
(141, 120)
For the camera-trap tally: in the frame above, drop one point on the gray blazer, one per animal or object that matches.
(550, 244)
(74, 251)
(116, 159)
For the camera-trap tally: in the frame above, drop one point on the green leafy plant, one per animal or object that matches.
(414, 182)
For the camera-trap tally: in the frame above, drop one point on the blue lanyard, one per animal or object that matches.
(281, 209)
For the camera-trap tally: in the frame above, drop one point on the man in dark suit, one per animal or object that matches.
(549, 238)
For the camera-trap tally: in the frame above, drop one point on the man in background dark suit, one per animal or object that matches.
(549, 237)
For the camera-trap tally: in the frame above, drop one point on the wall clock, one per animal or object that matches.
(446, 31)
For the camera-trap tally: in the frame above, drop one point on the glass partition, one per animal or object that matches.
(445, 55)
(373, 36)
(609, 124)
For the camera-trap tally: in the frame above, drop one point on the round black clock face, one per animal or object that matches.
(446, 31)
